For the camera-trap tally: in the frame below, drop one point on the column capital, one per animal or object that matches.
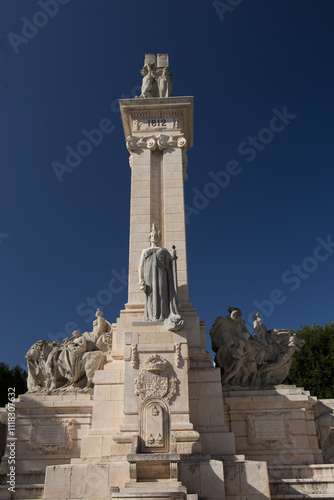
(153, 142)
(160, 119)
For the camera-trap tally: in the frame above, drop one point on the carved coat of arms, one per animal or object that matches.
(156, 379)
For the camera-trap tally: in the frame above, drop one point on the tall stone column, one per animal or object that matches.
(174, 219)
(158, 132)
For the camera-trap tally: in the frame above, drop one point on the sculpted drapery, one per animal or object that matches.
(70, 365)
(157, 279)
(260, 360)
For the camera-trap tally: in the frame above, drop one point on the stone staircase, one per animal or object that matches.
(164, 490)
(29, 486)
(301, 481)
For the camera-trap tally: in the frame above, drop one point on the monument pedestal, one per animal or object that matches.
(157, 401)
(273, 424)
(48, 432)
(157, 418)
(277, 425)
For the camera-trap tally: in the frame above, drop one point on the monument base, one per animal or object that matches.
(275, 424)
(201, 477)
(48, 431)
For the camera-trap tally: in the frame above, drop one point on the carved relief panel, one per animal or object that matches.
(154, 427)
(156, 379)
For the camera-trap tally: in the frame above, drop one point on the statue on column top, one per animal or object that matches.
(157, 80)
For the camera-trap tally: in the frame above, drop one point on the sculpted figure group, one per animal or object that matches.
(262, 360)
(157, 82)
(71, 364)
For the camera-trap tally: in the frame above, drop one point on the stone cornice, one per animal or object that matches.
(177, 113)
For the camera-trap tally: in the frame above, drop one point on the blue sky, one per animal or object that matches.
(259, 193)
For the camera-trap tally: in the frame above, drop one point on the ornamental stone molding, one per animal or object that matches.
(51, 435)
(134, 355)
(177, 355)
(269, 429)
(156, 379)
(153, 142)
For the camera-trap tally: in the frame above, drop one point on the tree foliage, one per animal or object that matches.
(313, 366)
(15, 377)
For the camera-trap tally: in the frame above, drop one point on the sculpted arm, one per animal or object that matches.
(142, 283)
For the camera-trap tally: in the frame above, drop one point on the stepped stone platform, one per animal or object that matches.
(301, 481)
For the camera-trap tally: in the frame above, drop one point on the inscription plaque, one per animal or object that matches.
(156, 122)
(269, 429)
(47, 434)
(51, 435)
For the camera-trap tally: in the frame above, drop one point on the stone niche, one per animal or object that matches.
(154, 432)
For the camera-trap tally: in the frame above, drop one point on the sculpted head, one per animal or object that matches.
(155, 235)
(76, 334)
(98, 313)
(235, 313)
(257, 316)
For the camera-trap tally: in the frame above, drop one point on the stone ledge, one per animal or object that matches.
(153, 457)
(316, 496)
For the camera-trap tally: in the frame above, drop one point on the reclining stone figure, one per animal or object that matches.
(71, 364)
(247, 361)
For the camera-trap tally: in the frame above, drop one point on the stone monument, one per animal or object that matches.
(135, 409)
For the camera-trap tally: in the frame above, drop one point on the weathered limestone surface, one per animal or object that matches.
(49, 429)
(274, 424)
(48, 432)
(301, 481)
(158, 132)
(324, 420)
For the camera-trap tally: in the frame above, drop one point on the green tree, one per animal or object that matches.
(15, 377)
(313, 366)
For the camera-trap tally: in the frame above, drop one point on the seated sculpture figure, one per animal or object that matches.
(71, 364)
(157, 279)
(68, 361)
(261, 360)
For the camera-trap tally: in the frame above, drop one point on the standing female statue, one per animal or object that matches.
(157, 280)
